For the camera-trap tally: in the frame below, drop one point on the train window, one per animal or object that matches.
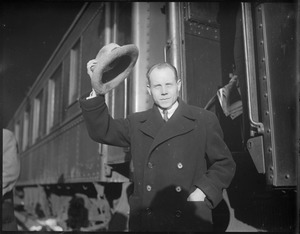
(17, 132)
(25, 131)
(74, 73)
(37, 116)
(50, 105)
(53, 111)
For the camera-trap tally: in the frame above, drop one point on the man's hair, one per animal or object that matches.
(159, 66)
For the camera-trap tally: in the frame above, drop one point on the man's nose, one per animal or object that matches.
(164, 90)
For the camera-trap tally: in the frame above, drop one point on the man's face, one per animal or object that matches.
(163, 87)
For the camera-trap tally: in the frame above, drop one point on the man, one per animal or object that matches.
(181, 164)
(10, 174)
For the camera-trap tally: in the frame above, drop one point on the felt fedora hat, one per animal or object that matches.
(114, 65)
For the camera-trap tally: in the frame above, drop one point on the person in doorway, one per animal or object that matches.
(10, 174)
(180, 162)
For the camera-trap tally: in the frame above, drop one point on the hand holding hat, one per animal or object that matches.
(111, 66)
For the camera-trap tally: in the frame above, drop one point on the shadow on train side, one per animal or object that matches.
(252, 206)
(78, 214)
(256, 204)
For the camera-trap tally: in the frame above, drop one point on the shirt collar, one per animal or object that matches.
(170, 110)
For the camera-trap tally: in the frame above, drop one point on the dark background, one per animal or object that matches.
(30, 32)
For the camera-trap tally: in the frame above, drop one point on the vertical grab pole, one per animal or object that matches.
(175, 41)
(107, 35)
(114, 40)
(250, 67)
(103, 149)
(140, 100)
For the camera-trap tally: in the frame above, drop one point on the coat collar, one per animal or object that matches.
(181, 122)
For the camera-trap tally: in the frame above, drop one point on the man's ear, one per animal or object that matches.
(148, 89)
(179, 84)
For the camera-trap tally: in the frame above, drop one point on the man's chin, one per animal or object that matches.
(165, 106)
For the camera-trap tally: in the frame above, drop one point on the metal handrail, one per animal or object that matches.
(250, 65)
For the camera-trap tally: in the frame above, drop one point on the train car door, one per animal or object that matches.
(193, 47)
(202, 52)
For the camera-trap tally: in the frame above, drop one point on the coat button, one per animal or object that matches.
(178, 189)
(179, 165)
(178, 213)
(148, 188)
(150, 165)
(148, 211)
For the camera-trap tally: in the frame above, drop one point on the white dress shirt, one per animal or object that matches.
(170, 110)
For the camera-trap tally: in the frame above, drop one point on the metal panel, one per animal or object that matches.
(203, 69)
(89, 161)
(203, 12)
(276, 43)
(202, 30)
(255, 148)
(202, 53)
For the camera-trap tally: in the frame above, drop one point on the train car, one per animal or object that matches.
(238, 60)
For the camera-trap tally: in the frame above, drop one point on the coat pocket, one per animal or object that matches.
(203, 211)
(197, 216)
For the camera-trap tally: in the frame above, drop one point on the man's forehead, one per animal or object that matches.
(162, 72)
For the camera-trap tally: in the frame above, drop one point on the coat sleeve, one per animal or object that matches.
(101, 126)
(221, 166)
(11, 162)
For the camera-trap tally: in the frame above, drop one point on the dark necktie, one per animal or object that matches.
(165, 112)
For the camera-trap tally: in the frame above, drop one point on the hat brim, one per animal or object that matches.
(114, 67)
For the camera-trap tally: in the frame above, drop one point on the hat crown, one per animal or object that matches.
(107, 49)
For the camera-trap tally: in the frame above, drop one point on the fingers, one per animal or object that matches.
(197, 195)
(91, 66)
(232, 76)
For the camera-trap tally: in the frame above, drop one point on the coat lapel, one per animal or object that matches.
(152, 122)
(181, 122)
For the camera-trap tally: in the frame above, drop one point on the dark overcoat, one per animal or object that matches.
(170, 160)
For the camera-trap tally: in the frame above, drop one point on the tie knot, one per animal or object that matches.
(165, 112)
